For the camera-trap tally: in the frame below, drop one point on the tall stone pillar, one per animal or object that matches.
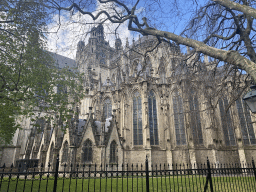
(145, 125)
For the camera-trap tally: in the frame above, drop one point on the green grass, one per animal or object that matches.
(184, 183)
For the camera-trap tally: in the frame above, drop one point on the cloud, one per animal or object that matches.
(67, 30)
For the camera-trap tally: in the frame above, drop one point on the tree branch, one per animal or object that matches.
(236, 6)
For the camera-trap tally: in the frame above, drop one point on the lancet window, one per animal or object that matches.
(245, 123)
(152, 116)
(113, 158)
(107, 108)
(87, 151)
(137, 120)
(179, 119)
(227, 124)
(195, 119)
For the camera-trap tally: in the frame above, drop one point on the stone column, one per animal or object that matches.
(145, 125)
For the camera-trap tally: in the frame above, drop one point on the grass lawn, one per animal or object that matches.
(184, 183)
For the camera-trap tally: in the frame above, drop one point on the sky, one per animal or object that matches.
(68, 28)
(62, 39)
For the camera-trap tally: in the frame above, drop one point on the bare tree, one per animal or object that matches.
(222, 29)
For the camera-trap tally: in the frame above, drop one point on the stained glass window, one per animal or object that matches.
(152, 116)
(107, 108)
(137, 120)
(65, 152)
(179, 119)
(195, 119)
(227, 125)
(87, 151)
(113, 154)
(246, 123)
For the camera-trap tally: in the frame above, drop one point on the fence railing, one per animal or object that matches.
(133, 177)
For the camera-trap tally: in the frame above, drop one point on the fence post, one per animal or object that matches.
(254, 170)
(209, 177)
(147, 175)
(56, 175)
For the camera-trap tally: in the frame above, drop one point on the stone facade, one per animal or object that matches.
(135, 108)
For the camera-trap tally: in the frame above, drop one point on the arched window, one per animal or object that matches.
(179, 119)
(152, 116)
(246, 123)
(87, 151)
(107, 108)
(137, 120)
(227, 124)
(195, 119)
(65, 153)
(113, 158)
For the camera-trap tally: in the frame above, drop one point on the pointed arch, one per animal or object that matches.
(152, 118)
(179, 119)
(87, 151)
(227, 125)
(137, 119)
(65, 150)
(113, 152)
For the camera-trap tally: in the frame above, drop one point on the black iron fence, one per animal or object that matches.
(134, 177)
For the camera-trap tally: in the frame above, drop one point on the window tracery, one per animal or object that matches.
(107, 109)
(227, 124)
(179, 119)
(246, 123)
(137, 120)
(152, 115)
(87, 151)
(195, 119)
